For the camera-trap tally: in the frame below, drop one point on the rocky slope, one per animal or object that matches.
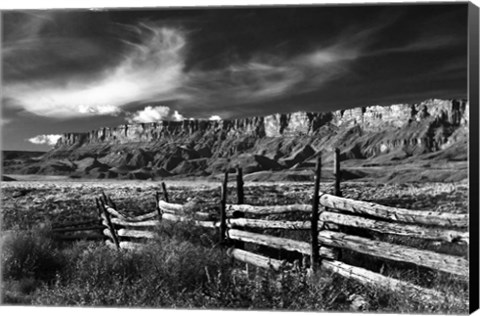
(374, 135)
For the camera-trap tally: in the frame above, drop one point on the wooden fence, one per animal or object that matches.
(329, 212)
(328, 215)
(90, 229)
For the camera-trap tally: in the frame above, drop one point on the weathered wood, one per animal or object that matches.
(240, 194)
(223, 209)
(203, 216)
(157, 201)
(165, 192)
(337, 172)
(112, 203)
(447, 263)
(150, 223)
(74, 224)
(76, 229)
(138, 218)
(268, 209)
(114, 212)
(136, 233)
(393, 213)
(377, 280)
(279, 243)
(63, 237)
(258, 260)
(396, 228)
(181, 211)
(106, 216)
(268, 224)
(176, 218)
(104, 198)
(97, 203)
(171, 207)
(164, 210)
(314, 256)
(127, 245)
(102, 202)
(107, 233)
(130, 245)
(110, 244)
(143, 217)
(240, 200)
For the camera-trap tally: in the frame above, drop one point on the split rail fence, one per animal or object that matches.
(328, 214)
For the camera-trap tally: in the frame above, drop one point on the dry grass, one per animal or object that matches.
(161, 275)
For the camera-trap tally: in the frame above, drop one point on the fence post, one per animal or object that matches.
(99, 212)
(240, 200)
(337, 172)
(157, 206)
(112, 203)
(240, 195)
(223, 209)
(105, 199)
(165, 193)
(314, 258)
(110, 226)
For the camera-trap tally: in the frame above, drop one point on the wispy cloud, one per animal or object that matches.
(268, 77)
(49, 140)
(151, 70)
(423, 43)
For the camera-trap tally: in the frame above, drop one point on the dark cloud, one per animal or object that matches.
(79, 66)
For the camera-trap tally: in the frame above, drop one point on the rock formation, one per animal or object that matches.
(273, 142)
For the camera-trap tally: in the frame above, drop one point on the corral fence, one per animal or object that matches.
(331, 226)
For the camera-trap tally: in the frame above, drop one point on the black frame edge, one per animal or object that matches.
(473, 96)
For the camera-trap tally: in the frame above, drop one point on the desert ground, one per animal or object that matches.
(35, 203)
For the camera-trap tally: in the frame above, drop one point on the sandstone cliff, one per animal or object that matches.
(272, 142)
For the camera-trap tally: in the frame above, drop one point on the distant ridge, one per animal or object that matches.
(379, 135)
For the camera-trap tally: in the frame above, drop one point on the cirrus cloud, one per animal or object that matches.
(149, 70)
(195, 65)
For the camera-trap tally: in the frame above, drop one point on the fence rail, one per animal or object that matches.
(87, 229)
(378, 280)
(451, 264)
(268, 224)
(393, 213)
(329, 216)
(414, 231)
(327, 210)
(268, 210)
(258, 260)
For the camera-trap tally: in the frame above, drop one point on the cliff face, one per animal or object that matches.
(272, 142)
(451, 113)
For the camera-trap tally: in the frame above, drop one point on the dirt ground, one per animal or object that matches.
(39, 200)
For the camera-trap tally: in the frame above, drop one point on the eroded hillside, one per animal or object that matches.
(433, 130)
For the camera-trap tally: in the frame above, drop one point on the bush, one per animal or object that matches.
(166, 272)
(29, 254)
(179, 269)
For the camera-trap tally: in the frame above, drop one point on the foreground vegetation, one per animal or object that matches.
(185, 268)
(177, 270)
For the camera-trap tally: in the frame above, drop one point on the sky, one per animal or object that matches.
(78, 70)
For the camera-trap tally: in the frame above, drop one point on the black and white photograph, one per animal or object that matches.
(293, 157)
